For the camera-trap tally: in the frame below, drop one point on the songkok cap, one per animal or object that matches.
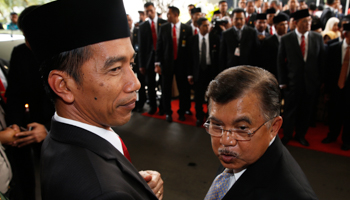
(346, 27)
(301, 14)
(280, 18)
(271, 11)
(261, 16)
(195, 10)
(65, 25)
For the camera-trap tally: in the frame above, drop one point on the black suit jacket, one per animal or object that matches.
(251, 20)
(269, 52)
(293, 70)
(214, 44)
(146, 50)
(275, 176)
(25, 85)
(334, 65)
(165, 53)
(77, 164)
(326, 14)
(249, 45)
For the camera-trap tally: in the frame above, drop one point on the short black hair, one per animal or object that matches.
(237, 10)
(174, 10)
(148, 4)
(191, 5)
(235, 82)
(13, 13)
(220, 2)
(330, 2)
(201, 20)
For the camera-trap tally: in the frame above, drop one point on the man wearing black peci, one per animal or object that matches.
(89, 75)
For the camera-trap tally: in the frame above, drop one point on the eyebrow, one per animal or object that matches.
(240, 119)
(111, 60)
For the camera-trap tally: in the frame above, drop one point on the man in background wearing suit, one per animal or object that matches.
(328, 12)
(269, 49)
(261, 27)
(204, 54)
(190, 7)
(338, 89)
(148, 34)
(94, 88)
(250, 14)
(239, 44)
(293, 7)
(172, 59)
(300, 72)
(223, 6)
(196, 13)
(243, 125)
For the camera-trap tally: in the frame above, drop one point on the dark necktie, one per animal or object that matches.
(302, 45)
(154, 35)
(344, 69)
(174, 42)
(204, 55)
(125, 150)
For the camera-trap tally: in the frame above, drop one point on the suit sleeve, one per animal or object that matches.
(322, 60)
(282, 70)
(160, 48)
(142, 47)
(191, 54)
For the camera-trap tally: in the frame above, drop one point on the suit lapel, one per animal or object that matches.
(310, 46)
(80, 137)
(296, 45)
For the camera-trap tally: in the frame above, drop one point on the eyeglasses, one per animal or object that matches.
(238, 134)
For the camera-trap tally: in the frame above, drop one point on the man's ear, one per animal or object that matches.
(60, 82)
(275, 126)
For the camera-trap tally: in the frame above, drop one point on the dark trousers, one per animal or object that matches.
(299, 106)
(182, 85)
(22, 165)
(339, 117)
(142, 91)
(200, 86)
(151, 83)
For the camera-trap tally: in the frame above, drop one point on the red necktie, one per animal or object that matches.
(248, 18)
(174, 42)
(302, 45)
(271, 31)
(154, 35)
(344, 69)
(2, 91)
(125, 150)
(195, 31)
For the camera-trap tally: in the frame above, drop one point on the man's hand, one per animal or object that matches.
(190, 80)
(7, 136)
(158, 70)
(35, 134)
(223, 28)
(142, 70)
(261, 37)
(154, 181)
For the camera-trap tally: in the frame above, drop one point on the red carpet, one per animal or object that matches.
(314, 136)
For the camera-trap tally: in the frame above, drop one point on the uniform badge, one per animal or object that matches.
(183, 43)
(183, 30)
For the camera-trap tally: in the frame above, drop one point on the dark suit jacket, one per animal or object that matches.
(165, 53)
(77, 164)
(275, 176)
(293, 70)
(326, 14)
(25, 85)
(269, 51)
(145, 40)
(214, 45)
(251, 20)
(334, 65)
(248, 47)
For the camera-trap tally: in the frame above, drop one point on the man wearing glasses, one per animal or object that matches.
(244, 119)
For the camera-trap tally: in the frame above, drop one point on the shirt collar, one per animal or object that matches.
(201, 36)
(345, 45)
(177, 25)
(155, 19)
(299, 34)
(238, 29)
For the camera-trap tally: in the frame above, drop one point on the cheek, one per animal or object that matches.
(215, 143)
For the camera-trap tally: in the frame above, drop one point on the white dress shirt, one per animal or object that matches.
(108, 135)
(206, 37)
(306, 35)
(194, 28)
(343, 49)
